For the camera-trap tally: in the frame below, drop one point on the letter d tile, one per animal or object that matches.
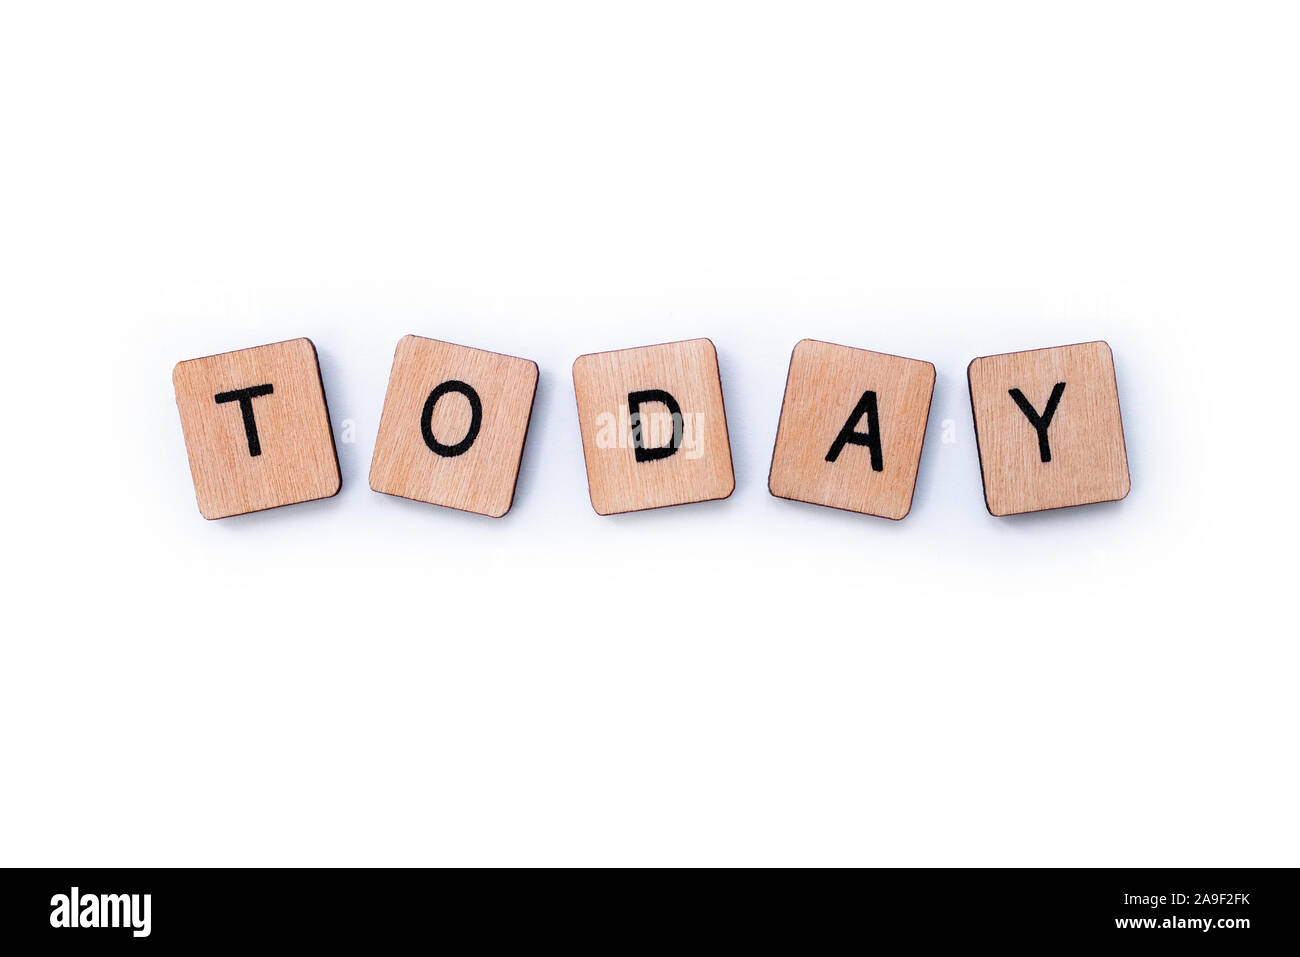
(654, 430)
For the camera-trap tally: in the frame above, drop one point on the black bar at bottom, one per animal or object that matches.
(94, 910)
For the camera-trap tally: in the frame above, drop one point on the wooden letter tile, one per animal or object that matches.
(453, 428)
(1048, 427)
(654, 430)
(256, 428)
(852, 426)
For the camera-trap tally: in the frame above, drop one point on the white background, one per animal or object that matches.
(753, 681)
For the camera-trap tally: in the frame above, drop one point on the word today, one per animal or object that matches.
(653, 427)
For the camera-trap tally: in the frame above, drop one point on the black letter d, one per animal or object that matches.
(634, 402)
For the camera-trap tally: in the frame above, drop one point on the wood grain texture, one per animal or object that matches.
(1085, 435)
(295, 461)
(823, 389)
(481, 479)
(699, 471)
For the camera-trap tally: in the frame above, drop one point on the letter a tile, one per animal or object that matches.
(852, 426)
(257, 429)
(654, 430)
(1048, 428)
(453, 427)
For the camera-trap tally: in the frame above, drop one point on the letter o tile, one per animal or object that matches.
(453, 427)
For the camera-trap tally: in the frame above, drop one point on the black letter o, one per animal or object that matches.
(475, 419)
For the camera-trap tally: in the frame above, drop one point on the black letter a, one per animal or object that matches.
(871, 438)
